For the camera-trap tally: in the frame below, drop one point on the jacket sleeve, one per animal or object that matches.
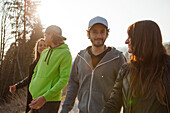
(115, 102)
(27, 80)
(22, 83)
(73, 87)
(65, 69)
(122, 60)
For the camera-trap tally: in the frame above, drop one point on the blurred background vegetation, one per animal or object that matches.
(20, 29)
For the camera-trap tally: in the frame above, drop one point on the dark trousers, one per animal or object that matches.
(48, 107)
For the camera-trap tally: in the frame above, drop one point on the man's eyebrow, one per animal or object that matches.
(94, 30)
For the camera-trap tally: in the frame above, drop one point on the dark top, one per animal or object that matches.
(96, 58)
(121, 96)
(27, 81)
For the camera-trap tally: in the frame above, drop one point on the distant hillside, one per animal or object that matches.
(125, 49)
(122, 49)
(167, 46)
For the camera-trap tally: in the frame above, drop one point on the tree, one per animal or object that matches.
(17, 22)
(18, 18)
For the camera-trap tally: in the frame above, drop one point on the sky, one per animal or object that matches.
(73, 17)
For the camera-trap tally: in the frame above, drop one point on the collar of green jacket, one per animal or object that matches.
(50, 50)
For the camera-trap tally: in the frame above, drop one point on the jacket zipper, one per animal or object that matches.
(91, 81)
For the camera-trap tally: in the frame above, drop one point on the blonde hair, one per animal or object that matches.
(37, 54)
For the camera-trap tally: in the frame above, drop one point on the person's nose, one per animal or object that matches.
(127, 41)
(99, 35)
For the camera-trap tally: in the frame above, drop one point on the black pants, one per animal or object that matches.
(48, 107)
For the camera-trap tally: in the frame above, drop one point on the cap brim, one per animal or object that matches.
(95, 24)
(64, 38)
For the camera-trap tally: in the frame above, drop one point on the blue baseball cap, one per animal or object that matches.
(97, 20)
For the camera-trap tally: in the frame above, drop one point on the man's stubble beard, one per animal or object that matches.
(98, 45)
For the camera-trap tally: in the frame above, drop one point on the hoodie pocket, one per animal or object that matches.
(39, 86)
(97, 102)
(83, 100)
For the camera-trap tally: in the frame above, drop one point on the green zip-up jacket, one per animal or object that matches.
(51, 73)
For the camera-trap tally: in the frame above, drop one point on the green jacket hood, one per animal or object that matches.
(50, 50)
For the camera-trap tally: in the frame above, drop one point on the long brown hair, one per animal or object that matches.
(149, 60)
(37, 54)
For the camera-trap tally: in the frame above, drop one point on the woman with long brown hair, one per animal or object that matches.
(143, 85)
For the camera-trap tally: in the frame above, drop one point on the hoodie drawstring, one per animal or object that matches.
(49, 51)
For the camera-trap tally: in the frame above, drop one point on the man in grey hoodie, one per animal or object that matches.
(94, 71)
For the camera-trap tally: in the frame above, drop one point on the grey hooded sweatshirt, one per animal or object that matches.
(92, 85)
